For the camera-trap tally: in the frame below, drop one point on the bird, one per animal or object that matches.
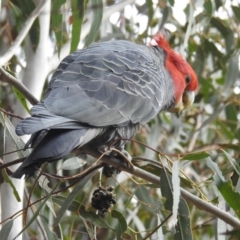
(103, 93)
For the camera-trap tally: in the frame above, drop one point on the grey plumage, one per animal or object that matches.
(100, 93)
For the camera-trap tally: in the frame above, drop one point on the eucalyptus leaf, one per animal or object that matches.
(78, 14)
(122, 223)
(225, 187)
(6, 229)
(97, 6)
(71, 196)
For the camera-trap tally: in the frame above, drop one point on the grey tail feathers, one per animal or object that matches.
(56, 144)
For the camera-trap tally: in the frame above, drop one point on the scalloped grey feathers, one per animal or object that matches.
(108, 89)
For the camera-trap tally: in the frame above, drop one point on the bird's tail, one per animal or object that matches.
(56, 144)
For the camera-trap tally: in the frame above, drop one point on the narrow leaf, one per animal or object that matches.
(50, 235)
(56, 22)
(225, 188)
(8, 180)
(73, 207)
(164, 17)
(236, 11)
(21, 98)
(233, 162)
(208, 7)
(183, 227)
(78, 13)
(226, 32)
(176, 190)
(73, 163)
(36, 214)
(122, 223)
(195, 156)
(93, 218)
(166, 190)
(97, 6)
(212, 117)
(150, 11)
(6, 229)
(16, 139)
(171, 2)
(72, 195)
(232, 72)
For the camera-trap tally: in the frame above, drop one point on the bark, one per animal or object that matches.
(34, 76)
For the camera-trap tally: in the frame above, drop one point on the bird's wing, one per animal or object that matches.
(107, 84)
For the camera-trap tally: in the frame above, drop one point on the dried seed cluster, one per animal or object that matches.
(103, 199)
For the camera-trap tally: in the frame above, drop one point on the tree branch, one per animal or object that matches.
(8, 78)
(190, 198)
(28, 24)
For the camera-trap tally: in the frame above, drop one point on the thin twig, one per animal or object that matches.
(30, 194)
(160, 225)
(6, 77)
(54, 193)
(37, 220)
(10, 114)
(6, 165)
(22, 34)
(190, 198)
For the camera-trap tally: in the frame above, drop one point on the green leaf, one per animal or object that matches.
(150, 11)
(212, 117)
(218, 4)
(93, 218)
(44, 183)
(8, 180)
(56, 23)
(232, 72)
(143, 195)
(50, 235)
(78, 14)
(97, 6)
(208, 7)
(183, 227)
(225, 188)
(27, 7)
(73, 163)
(122, 223)
(6, 229)
(73, 207)
(164, 17)
(166, 189)
(37, 212)
(226, 32)
(225, 130)
(171, 2)
(71, 196)
(233, 162)
(195, 156)
(231, 115)
(21, 98)
(236, 11)
(16, 139)
(199, 65)
(176, 190)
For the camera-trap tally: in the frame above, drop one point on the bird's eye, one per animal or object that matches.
(188, 79)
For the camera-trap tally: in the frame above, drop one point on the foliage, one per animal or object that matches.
(202, 146)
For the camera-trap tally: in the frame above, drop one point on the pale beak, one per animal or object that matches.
(185, 102)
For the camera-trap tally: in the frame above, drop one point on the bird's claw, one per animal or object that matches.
(125, 156)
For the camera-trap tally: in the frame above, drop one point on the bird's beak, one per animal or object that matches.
(185, 102)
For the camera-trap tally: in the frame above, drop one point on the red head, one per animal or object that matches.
(184, 77)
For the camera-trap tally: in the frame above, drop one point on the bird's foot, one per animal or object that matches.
(123, 154)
